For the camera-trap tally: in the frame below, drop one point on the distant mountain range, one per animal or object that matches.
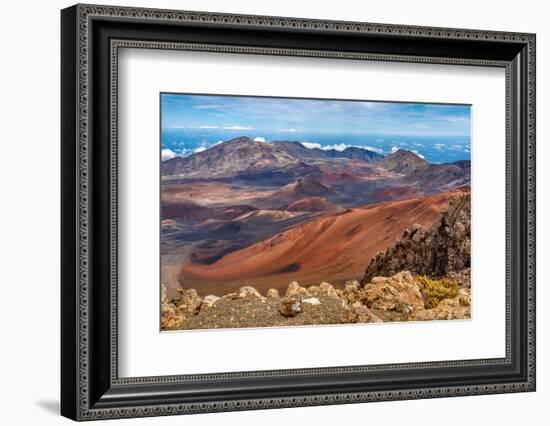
(351, 171)
(298, 150)
(355, 153)
(245, 155)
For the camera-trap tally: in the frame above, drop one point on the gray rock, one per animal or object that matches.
(438, 251)
(311, 301)
(209, 301)
(290, 307)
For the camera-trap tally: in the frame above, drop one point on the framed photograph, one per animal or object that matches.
(263, 212)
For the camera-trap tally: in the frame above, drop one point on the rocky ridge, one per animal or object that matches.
(243, 155)
(400, 297)
(437, 251)
(230, 158)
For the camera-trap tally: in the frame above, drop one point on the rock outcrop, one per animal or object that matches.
(438, 251)
(448, 309)
(396, 298)
(400, 297)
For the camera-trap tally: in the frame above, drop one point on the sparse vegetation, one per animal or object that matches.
(434, 291)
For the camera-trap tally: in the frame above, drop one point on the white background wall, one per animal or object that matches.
(29, 214)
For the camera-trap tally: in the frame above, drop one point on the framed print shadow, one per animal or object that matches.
(263, 212)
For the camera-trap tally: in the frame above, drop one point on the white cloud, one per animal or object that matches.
(438, 146)
(287, 130)
(337, 147)
(259, 139)
(394, 149)
(456, 119)
(311, 145)
(207, 127)
(200, 149)
(417, 153)
(340, 147)
(417, 144)
(207, 106)
(458, 147)
(374, 149)
(166, 154)
(237, 128)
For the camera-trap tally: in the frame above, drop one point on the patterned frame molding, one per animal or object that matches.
(116, 45)
(82, 400)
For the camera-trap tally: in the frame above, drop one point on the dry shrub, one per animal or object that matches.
(434, 291)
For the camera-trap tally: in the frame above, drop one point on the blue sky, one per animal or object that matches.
(305, 115)
(195, 122)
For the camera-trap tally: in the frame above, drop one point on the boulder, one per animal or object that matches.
(171, 318)
(352, 292)
(295, 290)
(448, 309)
(290, 307)
(327, 289)
(209, 301)
(395, 298)
(249, 291)
(189, 300)
(273, 293)
(313, 290)
(362, 314)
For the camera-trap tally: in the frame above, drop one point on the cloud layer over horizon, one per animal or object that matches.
(438, 132)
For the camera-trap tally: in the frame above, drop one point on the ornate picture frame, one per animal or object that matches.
(91, 37)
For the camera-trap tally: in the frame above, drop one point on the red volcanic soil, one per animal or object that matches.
(302, 187)
(395, 193)
(311, 204)
(210, 193)
(192, 211)
(330, 178)
(333, 248)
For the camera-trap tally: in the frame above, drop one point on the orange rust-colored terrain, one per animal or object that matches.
(335, 247)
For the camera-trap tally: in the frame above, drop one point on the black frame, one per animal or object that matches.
(91, 37)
